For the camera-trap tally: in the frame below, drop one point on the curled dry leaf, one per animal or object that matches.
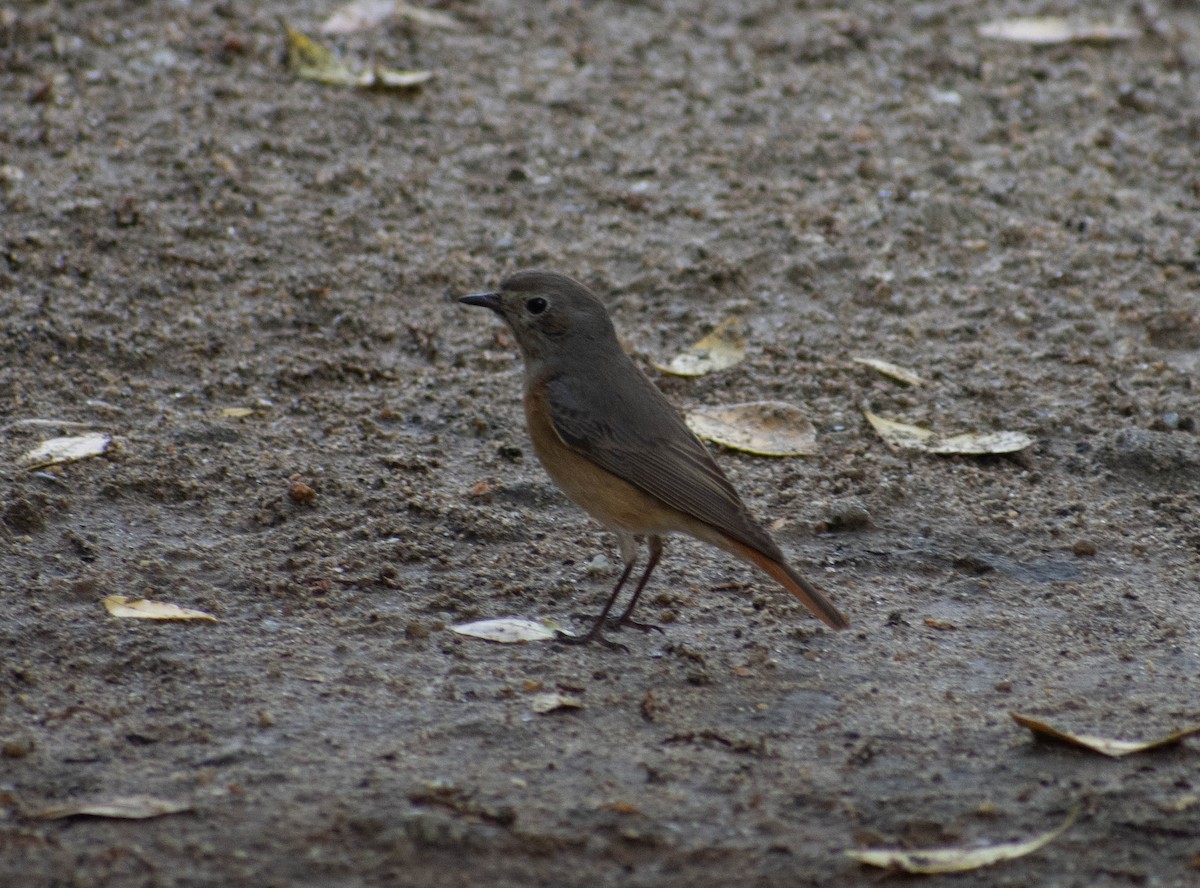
(315, 61)
(362, 15)
(1102, 745)
(931, 861)
(145, 609)
(1049, 30)
(551, 702)
(720, 349)
(764, 428)
(138, 807)
(902, 436)
(894, 371)
(507, 630)
(64, 450)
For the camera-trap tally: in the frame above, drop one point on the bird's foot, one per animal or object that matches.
(595, 635)
(621, 622)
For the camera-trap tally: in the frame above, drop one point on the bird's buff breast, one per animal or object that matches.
(611, 500)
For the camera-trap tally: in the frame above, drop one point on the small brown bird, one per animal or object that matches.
(617, 447)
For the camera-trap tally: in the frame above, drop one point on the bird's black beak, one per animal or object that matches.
(487, 300)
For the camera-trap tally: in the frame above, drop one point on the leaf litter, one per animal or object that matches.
(893, 371)
(54, 451)
(763, 428)
(312, 60)
(1051, 30)
(1104, 745)
(509, 630)
(932, 861)
(902, 436)
(721, 349)
(135, 807)
(147, 609)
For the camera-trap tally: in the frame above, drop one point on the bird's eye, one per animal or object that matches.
(537, 305)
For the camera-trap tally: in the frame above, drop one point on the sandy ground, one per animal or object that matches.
(188, 228)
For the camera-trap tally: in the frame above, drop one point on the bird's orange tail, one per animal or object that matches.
(783, 574)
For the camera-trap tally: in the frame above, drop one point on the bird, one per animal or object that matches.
(616, 446)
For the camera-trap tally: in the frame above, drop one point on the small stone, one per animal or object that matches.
(17, 747)
(299, 492)
(1083, 548)
(848, 514)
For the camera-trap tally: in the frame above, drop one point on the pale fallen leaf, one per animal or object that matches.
(765, 428)
(315, 61)
(720, 349)
(895, 371)
(508, 630)
(979, 443)
(64, 450)
(1049, 30)
(902, 436)
(550, 702)
(147, 609)
(362, 15)
(931, 861)
(899, 435)
(1103, 745)
(138, 807)
(237, 412)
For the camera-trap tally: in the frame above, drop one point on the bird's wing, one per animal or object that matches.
(627, 426)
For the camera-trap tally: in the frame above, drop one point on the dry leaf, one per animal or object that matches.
(362, 15)
(720, 349)
(145, 609)
(956, 860)
(508, 630)
(765, 428)
(895, 371)
(1102, 745)
(902, 436)
(64, 450)
(1049, 30)
(543, 703)
(979, 443)
(315, 61)
(237, 412)
(138, 807)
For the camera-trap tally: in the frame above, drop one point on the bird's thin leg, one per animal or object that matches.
(656, 550)
(629, 554)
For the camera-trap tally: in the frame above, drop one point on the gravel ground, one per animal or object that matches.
(246, 279)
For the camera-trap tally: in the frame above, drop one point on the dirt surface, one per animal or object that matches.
(188, 228)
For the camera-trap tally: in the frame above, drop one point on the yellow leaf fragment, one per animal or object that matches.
(315, 61)
(138, 807)
(145, 609)
(719, 350)
(64, 450)
(902, 436)
(551, 702)
(1103, 745)
(362, 15)
(932, 861)
(899, 435)
(237, 412)
(895, 371)
(764, 428)
(507, 630)
(1050, 30)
